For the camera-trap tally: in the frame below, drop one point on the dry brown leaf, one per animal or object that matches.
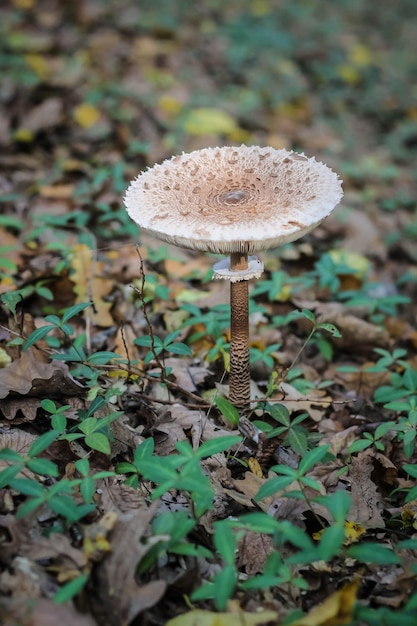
(41, 612)
(17, 440)
(364, 235)
(366, 501)
(29, 376)
(28, 407)
(123, 264)
(25, 542)
(45, 115)
(119, 497)
(356, 332)
(5, 127)
(58, 192)
(253, 550)
(385, 473)
(314, 403)
(90, 285)
(340, 441)
(11, 244)
(57, 548)
(181, 269)
(22, 579)
(188, 375)
(361, 381)
(246, 491)
(119, 598)
(123, 342)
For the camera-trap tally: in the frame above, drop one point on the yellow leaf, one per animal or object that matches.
(38, 64)
(356, 262)
(259, 8)
(353, 532)
(24, 135)
(360, 55)
(409, 517)
(24, 4)
(336, 610)
(58, 192)
(349, 73)
(86, 115)
(191, 295)
(206, 618)
(170, 105)
(5, 359)
(254, 467)
(209, 121)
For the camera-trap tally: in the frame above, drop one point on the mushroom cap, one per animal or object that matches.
(233, 199)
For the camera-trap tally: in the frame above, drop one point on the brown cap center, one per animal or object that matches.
(235, 196)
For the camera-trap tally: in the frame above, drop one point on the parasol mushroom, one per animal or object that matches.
(234, 200)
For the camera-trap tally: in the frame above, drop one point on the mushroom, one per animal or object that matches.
(234, 200)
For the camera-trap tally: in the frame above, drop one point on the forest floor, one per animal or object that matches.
(131, 490)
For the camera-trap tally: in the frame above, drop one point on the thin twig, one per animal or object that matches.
(141, 293)
(122, 333)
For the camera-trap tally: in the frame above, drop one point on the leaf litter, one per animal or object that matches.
(68, 150)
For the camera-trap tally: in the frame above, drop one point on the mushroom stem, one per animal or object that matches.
(239, 381)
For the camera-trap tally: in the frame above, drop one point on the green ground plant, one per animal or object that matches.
(330, 79)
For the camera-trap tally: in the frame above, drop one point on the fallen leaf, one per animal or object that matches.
(353, 532)
(29, 376)
(90, 285)
(314, 403)
(119, 598)
(207, 618)
(246, 490)
(366, 500)
(41, 612)
(86, 115)
(336, 610)
(45, 115)
(17, 440)
(58, 192)
(20, 409)
(355, 331)
(205, 121)
(253, 551)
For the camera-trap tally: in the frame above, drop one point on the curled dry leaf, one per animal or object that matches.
(366, 500)
(314, 403)
(17, 440)
(119, 598)
(29, 376)
(119, 497)
(19, 410)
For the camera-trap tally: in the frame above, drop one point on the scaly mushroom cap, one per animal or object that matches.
(233, 199)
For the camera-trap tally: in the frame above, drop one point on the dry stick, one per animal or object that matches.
(141, 293)
(239, 382)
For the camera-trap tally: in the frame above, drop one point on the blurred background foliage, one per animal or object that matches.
(335, 77)
(94, 91)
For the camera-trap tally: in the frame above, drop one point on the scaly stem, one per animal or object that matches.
(239, 381)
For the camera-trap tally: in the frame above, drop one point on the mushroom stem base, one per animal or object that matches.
(239, 381)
